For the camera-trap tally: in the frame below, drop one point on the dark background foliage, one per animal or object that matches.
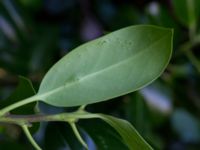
(34, 34)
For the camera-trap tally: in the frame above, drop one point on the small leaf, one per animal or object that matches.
(113, 65)
(128, 133)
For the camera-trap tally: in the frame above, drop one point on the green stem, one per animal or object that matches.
(17, 104)
(25, 120)
(192, 18)
(30, 138)
(82, 107)
(28, 119)
(76, 132)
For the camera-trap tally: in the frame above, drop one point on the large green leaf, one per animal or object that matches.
(118, 63)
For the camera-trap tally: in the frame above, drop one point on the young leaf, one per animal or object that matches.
(130, 137)
(113, 65)
(128, 133)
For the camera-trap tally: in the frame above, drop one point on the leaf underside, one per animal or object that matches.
(113, 65)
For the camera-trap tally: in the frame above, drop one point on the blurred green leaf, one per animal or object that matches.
(183, 8)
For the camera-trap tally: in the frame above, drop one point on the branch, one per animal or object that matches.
(28, 119)
(30, 138)
(77, 134)
(25, 121)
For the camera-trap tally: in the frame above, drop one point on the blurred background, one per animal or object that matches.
(34, 34)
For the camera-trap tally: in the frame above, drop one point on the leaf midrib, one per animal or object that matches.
(41, 96)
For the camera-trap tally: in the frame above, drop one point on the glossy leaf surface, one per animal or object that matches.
(113, 65)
